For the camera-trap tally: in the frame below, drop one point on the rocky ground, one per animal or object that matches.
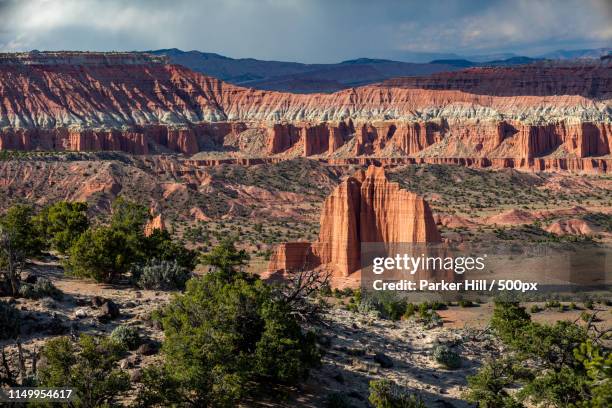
(357, 347)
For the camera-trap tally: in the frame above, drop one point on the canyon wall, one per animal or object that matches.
(364, 208)
(141, 105)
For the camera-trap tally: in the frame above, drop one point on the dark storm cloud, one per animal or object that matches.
(307, 30)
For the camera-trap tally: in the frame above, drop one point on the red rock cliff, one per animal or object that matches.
(79, 101)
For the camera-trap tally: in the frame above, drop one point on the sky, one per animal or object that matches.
(322, 31)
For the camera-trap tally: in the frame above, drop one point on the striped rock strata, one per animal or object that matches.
(76, 101)
(363, 208)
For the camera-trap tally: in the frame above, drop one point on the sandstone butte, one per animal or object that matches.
(363, 208)
(546, 115)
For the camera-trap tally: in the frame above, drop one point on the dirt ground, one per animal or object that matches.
(351, 341)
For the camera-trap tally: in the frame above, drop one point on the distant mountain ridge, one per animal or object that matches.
(298, 77)
(311, 78)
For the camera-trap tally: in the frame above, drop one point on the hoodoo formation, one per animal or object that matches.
(363, 208)
(556, 112)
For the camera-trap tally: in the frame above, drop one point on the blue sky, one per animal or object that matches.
(308, 30)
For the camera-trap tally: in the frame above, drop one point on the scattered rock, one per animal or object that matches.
(384, 360)
(80, 313)
(147, 349)
(48, 303)
(125, 364)
(108, 311)
(97, 301)
(136, 375)
(359, 365)
(28, 277)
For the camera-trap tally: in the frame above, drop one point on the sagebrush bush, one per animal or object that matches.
(161, 275)
(43, 287)
(447, 357)
(430, 318)
(381, 304)
(10, 321)
(466, 303)
(387, 394)
(126, 336)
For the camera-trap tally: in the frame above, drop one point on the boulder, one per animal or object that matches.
(147, 349)
(108, 311)
(97, 301)
(384, 360)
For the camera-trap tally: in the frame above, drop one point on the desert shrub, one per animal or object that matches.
(226, 334)
(225, 259)
(160, 245)
(19, 240)
(554, 376)
(588, 304)
(508, 319)
(535, 309)
(466, 303)
(89, 366)
(105, 253)
(126, 336)
(367, 306)
(390, 307)
(387, 394)
(597, 363)
(43, 287)
(435, 305)
(552, 304)
(552, 345)
(325, 290)
(429, 318)
(62, 223)
(129, 217)
(337, 400)
(384, 304)
(10, 321)
(446, 356)
(160, 275)
(488, 388)
(102, 254)
(410, 311)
